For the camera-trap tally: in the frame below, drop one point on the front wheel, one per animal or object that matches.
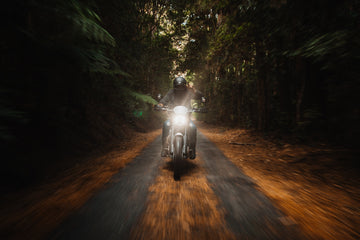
(178, 156)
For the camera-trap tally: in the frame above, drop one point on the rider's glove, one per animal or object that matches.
(158, 106)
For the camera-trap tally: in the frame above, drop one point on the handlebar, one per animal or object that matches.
(198, 110)
(157, 108)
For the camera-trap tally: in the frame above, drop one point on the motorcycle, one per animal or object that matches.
(179, 138)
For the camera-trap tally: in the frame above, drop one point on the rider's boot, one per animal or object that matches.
(164, 152)
(192, 153)
(164, 139)
(192, 141)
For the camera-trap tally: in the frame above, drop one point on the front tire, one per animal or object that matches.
(178, 156)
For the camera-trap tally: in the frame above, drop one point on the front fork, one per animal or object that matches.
(172, 136)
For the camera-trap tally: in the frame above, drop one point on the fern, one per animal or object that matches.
(91, 30)
(95, 61)
(88, 21)
(140, 97)
(322, 46)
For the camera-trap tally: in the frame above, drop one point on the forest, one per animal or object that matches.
(77, 75)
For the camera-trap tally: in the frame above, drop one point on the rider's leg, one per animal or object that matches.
(165, 134)
(192, 140)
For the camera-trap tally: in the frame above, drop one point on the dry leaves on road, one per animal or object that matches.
(311, 184)
(179, 210)
(33, 214)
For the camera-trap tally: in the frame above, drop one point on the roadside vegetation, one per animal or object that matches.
(79, 79)
(289, 66)
(78, 75)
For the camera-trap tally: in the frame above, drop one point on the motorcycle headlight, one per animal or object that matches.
(180, 110)
(180, 120)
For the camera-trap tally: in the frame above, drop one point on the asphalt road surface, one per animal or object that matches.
(115, 210)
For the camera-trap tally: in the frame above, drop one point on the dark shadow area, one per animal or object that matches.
(64, 92)
(186, 169)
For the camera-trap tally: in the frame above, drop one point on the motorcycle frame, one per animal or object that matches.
(184, 136)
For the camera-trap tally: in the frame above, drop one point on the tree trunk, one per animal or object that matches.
(301, 75)
(262, 88)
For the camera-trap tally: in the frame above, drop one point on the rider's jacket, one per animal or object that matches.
(181, 98)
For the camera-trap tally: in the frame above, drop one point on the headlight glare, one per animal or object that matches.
(180, 120)
(180, 110)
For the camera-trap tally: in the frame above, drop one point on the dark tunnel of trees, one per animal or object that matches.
(75, 75)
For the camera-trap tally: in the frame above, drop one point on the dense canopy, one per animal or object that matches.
(76, 74)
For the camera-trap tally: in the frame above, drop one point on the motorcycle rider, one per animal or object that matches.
(180, 95)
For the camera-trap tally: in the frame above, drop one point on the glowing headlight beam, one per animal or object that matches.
(180, 120)
(180, 110)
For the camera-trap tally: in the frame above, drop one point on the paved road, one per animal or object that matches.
(250, 214)
(112, 212)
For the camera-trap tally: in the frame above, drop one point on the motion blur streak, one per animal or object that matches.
(186, 209)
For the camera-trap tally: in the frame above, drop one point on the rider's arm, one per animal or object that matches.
(167, 98)
(197, 95)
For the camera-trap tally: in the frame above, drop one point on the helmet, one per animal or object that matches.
(179, 83)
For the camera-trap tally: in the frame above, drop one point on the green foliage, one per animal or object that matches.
(74, 72)
(266, 64)
(141, 97)
(86, 21)
(327, 48)
(77, 73)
